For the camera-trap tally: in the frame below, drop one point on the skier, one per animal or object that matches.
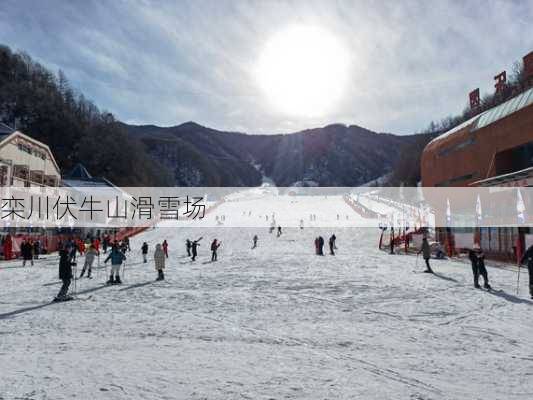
(279, 231)
(127, 243)
(426, 254)
(144, 250)
(123, 247)
(26, 250)
(96, 244)
(214, 247)
(73, 248)
(8, 247)
(528, 258)
(194, 249)
(104, 245)
(188, 245)
(165, 248)
(477, 258)
(332, 246)
(117, 257)
(81, 246)
(317, 246)
(392, 240)
(36, 249)
(90, 255)
(255, 238)
(301, 224)
(65, 273)
(159, 259)
(321, 245)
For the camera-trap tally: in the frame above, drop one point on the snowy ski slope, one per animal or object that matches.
(276, 322)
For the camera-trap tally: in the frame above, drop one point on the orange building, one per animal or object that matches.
(497, 142)
(493, 148)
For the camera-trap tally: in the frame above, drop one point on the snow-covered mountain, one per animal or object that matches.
(334, 155)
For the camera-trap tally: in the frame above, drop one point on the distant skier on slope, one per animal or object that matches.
(8, 247)
(255, 239)
(188, 245)
(165, 248)
(426, 254)
(144, 251)
(279, 231)
(159, 259)
(26, 250)
(127, 243)
(332, 246)
(214, 247)
(65, 274)
(321, 245)
(477, 259)
(317, 246)
(528, 258)
(194, 249)
(90, 255)
(117, 257)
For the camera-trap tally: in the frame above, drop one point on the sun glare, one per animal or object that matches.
(303, 71)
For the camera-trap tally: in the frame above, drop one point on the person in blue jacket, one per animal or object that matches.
(117, 257)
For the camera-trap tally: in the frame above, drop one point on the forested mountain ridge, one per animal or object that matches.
(46, 107)
(335, 155)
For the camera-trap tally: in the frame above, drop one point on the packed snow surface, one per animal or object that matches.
(276, 322)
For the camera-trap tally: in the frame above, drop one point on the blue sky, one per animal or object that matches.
(168, 62)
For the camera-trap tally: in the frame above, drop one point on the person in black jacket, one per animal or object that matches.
(194, 249)
(188, 245)
(144, 250)
(477, 258)
(65, 274)
(26, 250)
(528, 258)
(332, 246)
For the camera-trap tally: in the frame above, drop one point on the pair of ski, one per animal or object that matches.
(70, 298)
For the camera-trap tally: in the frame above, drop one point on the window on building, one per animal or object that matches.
(456, 180)
(452, 149)
(515, 159)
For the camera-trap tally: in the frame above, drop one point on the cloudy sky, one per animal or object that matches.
(167, 62)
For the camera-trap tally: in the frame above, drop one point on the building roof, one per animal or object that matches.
(5, 138)
(503, 110)
(79, 172)
(505, 178)
(492, 115)
(5, 129)
(79, 177)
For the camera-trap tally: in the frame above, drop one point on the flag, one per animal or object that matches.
(479, 212)
(520, 208)
(448, 212)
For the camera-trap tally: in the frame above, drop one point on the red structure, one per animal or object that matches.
(493, 148)
(474, 99)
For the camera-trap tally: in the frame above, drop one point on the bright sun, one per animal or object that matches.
(303, 71)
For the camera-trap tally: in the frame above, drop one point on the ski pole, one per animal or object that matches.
(518, 280)
(75, 279)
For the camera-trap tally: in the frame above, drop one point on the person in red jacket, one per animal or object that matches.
(8, 247)
(96, 245)
(81, 246)
(165, 248)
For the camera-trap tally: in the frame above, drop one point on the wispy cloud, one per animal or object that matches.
(167, 62)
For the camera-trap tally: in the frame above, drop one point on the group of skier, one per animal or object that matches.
(117, 257)
(476, 256)
(319, 245)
